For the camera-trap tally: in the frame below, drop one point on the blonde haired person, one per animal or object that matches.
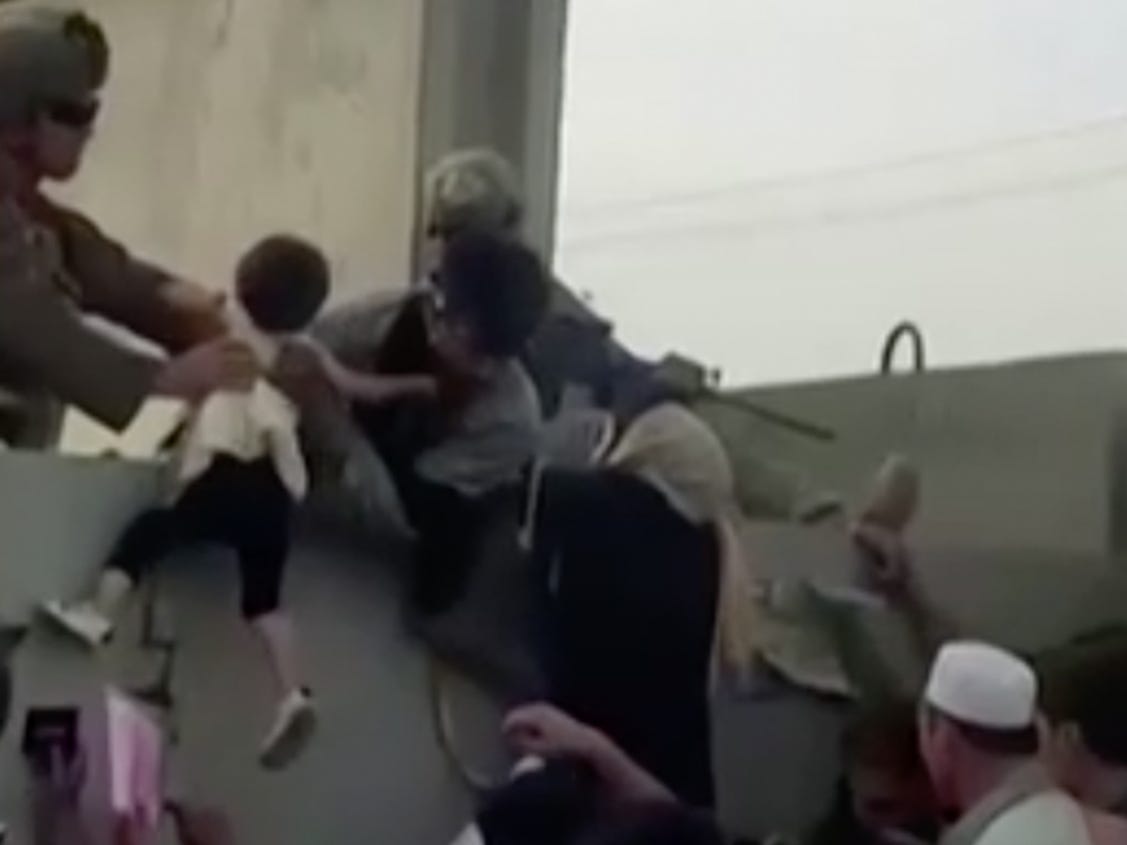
(472, 189)
(645, 586)
(573, 352)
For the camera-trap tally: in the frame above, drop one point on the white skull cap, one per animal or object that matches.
(983, 685)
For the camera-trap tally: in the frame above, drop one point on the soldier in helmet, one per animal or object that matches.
(57, 267)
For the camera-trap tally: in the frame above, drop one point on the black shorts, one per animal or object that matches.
(242, 505)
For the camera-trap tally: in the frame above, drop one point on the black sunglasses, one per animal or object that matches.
(72, 113)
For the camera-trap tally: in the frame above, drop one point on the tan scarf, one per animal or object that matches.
(670, 448)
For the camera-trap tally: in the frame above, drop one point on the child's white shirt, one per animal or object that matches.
(247, 426)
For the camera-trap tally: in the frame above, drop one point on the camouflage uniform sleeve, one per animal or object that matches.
(171, 312)
(43, 334)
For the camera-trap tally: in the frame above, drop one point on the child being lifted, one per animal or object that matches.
(239, 472)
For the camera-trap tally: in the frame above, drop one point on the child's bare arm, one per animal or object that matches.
(369, 388)
(375, 390)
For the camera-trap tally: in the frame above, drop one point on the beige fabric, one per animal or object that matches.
(673, 450)
(42, 58)
(247, 426)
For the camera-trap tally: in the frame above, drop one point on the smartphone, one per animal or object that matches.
(47, 732)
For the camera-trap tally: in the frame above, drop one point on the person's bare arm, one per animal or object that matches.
(378, 389)
(887, 567)
(355, 385)
(891, 572)
(542, 730)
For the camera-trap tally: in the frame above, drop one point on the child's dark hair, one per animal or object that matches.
(498, 286)
(282, 282)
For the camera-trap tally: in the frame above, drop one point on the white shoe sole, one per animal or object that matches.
(291, 742)
(58, 616)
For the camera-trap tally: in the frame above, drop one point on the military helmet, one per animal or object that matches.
(47, 55)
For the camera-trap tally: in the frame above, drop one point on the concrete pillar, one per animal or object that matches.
(492, 73)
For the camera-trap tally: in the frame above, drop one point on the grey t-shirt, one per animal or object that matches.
(497, 432)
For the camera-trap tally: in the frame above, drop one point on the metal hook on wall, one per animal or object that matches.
(903, 329)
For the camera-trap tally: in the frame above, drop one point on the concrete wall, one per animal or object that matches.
(229, 119)
(1022, 455)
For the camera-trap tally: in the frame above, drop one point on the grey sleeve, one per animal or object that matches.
(352, 332)
(498, 437)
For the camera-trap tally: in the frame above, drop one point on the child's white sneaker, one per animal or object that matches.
(293, 727)
(82, 621)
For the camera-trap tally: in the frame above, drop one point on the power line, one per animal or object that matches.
(891, 211)
(853, 171)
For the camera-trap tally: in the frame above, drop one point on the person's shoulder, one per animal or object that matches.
(67, 220)
(359, 319)
(369, 304)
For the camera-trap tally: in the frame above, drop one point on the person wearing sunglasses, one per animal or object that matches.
(57, 267)
(573, 355)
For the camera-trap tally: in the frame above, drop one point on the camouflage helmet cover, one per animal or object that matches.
(47, 54)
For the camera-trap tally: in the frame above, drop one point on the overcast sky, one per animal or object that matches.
(685, 122)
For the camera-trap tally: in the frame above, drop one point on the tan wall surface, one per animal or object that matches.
(226, 119)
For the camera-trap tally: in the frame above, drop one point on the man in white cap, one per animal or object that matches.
(978, 736)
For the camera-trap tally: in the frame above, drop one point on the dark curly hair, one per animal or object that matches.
(282, 282)
(498, 286)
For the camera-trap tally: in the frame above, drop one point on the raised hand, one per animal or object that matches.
(224, 364)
